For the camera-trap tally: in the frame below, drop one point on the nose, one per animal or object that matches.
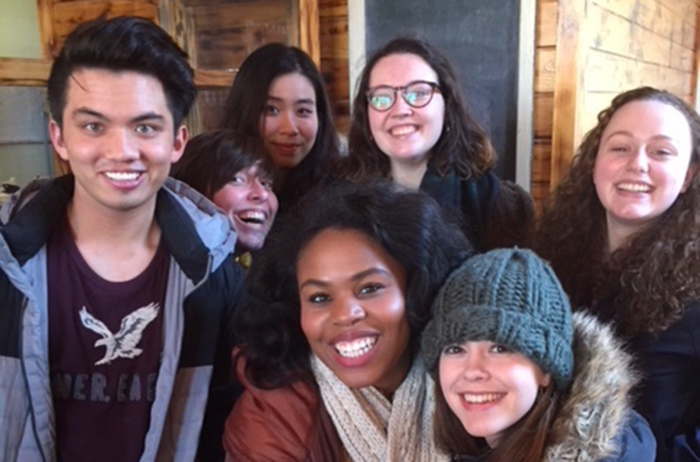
(400, 108)
(258, 191)
(639, 162)
(347, 312)
(475, 367)
(120, 145)
(288, 124)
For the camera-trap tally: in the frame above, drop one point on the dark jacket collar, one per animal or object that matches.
(42, 206)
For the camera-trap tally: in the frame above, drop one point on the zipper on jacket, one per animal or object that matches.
(26, 381)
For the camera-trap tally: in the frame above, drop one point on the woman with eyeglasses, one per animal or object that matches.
(410, 124)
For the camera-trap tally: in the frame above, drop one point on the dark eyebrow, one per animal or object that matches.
(356, 277)
(148, 116)
(89, 112)
(299, 101)
(99, 115)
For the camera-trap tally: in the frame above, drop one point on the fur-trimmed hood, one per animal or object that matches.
(596, 412)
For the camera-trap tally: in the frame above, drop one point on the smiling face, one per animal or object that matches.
(289, 123)
(642, 165)
(404, 133)
(118, 138)
(353, 310)
(251, 205)
(489, 387)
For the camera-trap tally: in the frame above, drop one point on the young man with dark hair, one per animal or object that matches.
(117, 285)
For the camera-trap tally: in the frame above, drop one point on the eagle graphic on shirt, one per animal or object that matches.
(123, 343)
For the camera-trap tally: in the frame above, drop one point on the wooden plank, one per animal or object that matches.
(593, 103)
(539, 192)
(334, 38)
(546, 27)
(572, 37)
(309, 35)
(682, 58)
(608, 72)
(227, 33)
(266, 13)
(543, 115)
(24, 72)
(335, 75)
(541, 161)
(688, 36)
(545, 69)
(46, 33)
(212, 78)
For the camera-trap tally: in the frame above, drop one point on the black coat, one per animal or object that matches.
(493, 213)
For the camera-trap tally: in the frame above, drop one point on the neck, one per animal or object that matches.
(409, 174)
(619, 234)
(117, 245)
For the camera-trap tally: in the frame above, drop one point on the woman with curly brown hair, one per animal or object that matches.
(410, 123)
(622, 232)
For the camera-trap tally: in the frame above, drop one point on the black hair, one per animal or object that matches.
(248, 99)
(410, 227)
(212, 159)
(124, 44)
(463, 144)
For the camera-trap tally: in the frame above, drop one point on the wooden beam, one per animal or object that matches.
(205, 78)
(35, 73)
(568, 85)
(309, 30)
(44, 13)
(24, 72)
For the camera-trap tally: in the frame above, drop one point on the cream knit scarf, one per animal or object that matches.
(372, 428)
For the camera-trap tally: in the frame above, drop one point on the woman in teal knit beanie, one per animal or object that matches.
(520, 378)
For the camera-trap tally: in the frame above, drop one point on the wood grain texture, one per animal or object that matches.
(309, 37)
(24, 72)
(572, 35)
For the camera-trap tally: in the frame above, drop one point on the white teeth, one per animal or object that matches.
(355, 348)
(251, 216)
(122, 176)
(634, 187)
(403, 130)
(481, 398)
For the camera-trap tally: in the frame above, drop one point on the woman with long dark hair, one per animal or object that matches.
(622, 233)
(410, 124)
(337, 300)
(279, 98)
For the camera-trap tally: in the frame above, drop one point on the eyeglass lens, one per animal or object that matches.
(416, 94)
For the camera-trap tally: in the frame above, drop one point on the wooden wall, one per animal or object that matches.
(334, 58)
(588, 51)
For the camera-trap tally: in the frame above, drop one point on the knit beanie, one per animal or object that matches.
(510, 297)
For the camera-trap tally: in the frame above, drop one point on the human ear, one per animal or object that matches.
(56, 135)
(689, 175)
(179, 143)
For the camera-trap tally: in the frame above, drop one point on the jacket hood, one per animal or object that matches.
(197, 234)
(596, 407)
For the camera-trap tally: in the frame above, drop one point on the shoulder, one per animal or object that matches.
(596, 417)
(635, 441)
(281, 424)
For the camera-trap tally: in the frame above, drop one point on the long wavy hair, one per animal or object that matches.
(409, 226)
(644, 285)
(463, 144)
(248, 99)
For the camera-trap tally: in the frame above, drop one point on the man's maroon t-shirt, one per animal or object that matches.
(105, 344)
